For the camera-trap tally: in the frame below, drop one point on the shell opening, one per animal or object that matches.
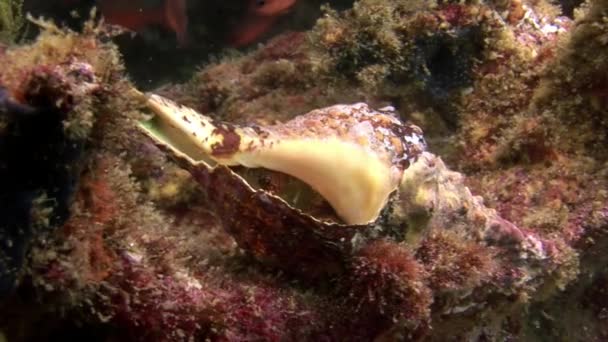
(163, 131)
(292, 190)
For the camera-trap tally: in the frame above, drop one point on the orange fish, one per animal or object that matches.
(135, 15)
(261, 15)
(270, 8)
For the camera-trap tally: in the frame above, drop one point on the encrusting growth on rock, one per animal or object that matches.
(250, 222)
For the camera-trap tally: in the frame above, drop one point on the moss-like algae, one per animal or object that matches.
(55, 45)
(12, 20)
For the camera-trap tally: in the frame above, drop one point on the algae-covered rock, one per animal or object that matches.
(497, 231)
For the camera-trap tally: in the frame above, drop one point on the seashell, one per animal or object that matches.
(293, 193)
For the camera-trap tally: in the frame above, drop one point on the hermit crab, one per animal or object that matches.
(304, 195)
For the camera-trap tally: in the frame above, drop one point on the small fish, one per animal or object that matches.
(136, 15)
(270, 8)
(260, 17)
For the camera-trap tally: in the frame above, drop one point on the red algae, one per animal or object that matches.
(388, 281)
(454, 264)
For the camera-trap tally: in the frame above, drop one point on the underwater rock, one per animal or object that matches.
(429, 199)
(423, 58)
(39, 159)
(437, 262)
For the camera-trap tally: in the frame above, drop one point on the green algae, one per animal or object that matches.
(12, 20)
